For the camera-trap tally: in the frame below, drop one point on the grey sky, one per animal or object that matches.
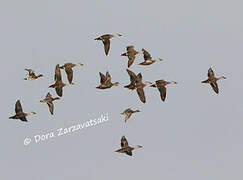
(194, 134)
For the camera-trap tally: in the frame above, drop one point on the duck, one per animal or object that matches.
(212, 80)
(19, 112)
(32, 75)
(106, 41)
(105, 81)
(128, 112)
(160, 84)
(49, 100)
(125, 148)
(139, 85)
(68, 69)
(148, 58)
(133, 77)
(58, 85)
(131, 54)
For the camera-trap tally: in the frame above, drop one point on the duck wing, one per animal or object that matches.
(108, 78)
(215, 87)
(102, 78)
(59, 91)
(131, 58)
(146, 55)
(18, 107)
(106, 43)
(58, 76)
(124, 142)
(69, 73)
(141, 95)
(31, 72)
(210, 73)
(51, 107)
(162, 90)
(132, 75)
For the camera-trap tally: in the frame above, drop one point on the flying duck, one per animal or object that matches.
(128, 112)
(133, 77)
(68, 68)
(125, 148)
(19, 112)
(212, 80)
(58, 85)
(32, 75)
(105, 81)
(139, 86)
(106, 41)
(148, 58)
(49, 100)
(131, 54)
(160, 84)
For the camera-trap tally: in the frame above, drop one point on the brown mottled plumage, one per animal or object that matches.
(106, 41)
(125, 148)
(58, 85)
(19, 112)
(160, 84)
(105, 81)
(68, 69)
(148, 58)
(212, 80)
(49, 100)
(32, 75)
(139, 86)
(131, 54)
(128, 112)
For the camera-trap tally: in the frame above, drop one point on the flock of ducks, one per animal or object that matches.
(136, 82)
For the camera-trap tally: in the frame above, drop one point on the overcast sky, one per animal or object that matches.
(194, 134)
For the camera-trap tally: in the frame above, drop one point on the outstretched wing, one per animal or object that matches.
(108, 77)
(131, 58)
(69, 73)
(102, 78)
(58, 76)
(132, 75)
(59, 91)
(106, 43)
(162, 90)
(51, 107)
(146, 55)
(31, 72)
(124, 142)
(215, 87)
(210, 73)
(18, 107)
(141, 95)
